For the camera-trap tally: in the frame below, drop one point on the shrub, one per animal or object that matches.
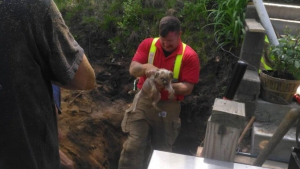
(285, 57)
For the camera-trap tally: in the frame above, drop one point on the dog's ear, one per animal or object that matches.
(156, 74)
(171, 75)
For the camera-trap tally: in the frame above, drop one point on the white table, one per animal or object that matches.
(166, 160)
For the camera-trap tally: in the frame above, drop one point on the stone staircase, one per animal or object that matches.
(268, 115)
(283, 15)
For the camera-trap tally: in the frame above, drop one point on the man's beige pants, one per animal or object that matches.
(149, 126)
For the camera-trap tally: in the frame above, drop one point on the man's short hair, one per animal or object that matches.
(169, 24)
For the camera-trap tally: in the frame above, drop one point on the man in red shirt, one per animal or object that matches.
(147, 125)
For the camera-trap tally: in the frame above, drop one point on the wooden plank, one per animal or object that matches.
(220, 142)
(254, 26)
(229, 113)
(229, 107)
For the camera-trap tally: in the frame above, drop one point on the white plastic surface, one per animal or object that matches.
(166, 160)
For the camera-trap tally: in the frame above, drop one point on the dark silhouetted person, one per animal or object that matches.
(36, 50)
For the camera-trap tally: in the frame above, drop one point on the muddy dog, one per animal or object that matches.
(152, 86)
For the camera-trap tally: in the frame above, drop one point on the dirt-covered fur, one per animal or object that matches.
(152, 86)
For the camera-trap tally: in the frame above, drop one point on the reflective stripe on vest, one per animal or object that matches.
(262, 60)
(152, 51)
(177, 64)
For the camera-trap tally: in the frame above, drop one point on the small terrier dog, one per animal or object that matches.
(152, 86)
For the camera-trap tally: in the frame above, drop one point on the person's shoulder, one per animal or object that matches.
(190, 56)
(189, 51)
(147, 42)
(27, 7)
(38, 8)
(43, 4)
(31, 2)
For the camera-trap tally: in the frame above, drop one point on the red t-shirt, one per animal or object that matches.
(190, 65)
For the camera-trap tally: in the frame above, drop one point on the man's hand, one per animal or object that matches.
(137, 69)
(65, 162)
(151, 70)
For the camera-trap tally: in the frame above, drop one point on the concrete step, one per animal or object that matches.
(280, 24)
(248, 92)
(267, 112)
(284, 15)
(287, 12)
(250, 81)
(263, 132)
(280, 16)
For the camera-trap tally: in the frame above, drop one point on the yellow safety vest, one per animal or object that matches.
(178, 60)
(263, 63)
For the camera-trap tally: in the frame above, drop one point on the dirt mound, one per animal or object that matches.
(93, 137)
(91, 120)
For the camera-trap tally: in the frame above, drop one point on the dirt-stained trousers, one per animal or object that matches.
(147, 125)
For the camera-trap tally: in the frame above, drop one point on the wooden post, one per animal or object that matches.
(223, 130)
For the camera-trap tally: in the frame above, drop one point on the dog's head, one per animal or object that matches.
(163, 77)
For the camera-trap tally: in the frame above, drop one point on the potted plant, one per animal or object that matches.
(281, 82)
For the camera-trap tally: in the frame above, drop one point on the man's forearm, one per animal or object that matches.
(183, 88)
(137, 69)
(84, 78)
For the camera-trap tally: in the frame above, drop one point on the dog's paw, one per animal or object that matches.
(132, 92)
(156, 108)
(171, 97)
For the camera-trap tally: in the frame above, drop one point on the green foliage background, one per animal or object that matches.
(115, 28)
(285, 57)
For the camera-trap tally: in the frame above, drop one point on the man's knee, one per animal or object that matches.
(131, 158)
(133, 153)
(134, 146)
